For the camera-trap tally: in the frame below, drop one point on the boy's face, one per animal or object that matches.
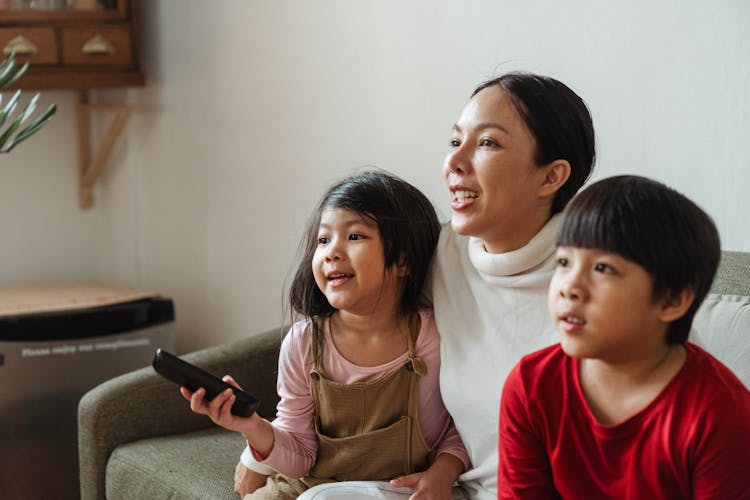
(603, 306)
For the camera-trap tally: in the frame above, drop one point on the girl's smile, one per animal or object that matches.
(349, 264)
(336, 279)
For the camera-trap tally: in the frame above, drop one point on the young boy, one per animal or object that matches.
(624, 407)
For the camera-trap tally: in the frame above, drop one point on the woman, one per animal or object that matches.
(522, 147)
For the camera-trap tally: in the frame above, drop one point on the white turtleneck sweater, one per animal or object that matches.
(491, 309)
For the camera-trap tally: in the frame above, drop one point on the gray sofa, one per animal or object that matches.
(138, 439)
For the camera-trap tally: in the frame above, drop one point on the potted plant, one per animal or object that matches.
(11, 133)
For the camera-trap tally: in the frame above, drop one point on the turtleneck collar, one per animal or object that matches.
(515, 262)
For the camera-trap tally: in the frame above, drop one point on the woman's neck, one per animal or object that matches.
(508, 238)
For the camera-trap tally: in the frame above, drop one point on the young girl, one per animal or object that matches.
(358, 378)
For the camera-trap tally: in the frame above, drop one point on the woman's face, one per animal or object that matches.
(491, 174)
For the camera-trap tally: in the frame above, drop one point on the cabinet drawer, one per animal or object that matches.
(35, 45)
(102, 46)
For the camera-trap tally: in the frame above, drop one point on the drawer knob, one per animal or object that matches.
(20, 45)
(97, 45)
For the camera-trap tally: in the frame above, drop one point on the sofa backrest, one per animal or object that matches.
(722, 324)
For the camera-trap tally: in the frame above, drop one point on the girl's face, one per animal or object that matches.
(491, 174)
(349, 264)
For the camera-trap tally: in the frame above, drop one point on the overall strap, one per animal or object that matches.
(369, 430)
(415, 363)
(317, 338)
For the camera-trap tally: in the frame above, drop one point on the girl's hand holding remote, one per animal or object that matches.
(256, 430)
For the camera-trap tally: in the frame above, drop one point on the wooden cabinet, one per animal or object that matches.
(69, 47)
(78, 45)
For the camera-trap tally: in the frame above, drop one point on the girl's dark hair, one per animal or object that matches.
(654, 226)
(408, 228)
(560, 122)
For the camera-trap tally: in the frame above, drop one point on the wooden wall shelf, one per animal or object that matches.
(80, 50)
(92, 161)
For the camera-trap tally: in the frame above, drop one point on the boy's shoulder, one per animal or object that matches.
(549, 356)
(704, 391)
(542, 368)
(710, 395)
(711, 375)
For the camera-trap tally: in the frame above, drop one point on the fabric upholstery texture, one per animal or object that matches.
(192, 465)
(722, 324)
(137, 438)
(141, 405)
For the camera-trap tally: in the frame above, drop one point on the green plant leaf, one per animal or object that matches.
(11, 79)
(30, 107)
(9, 138)
(6, 68)
(35, 126)
(5, 113)
(7, 74)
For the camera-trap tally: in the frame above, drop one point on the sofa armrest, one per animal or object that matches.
(141, 404)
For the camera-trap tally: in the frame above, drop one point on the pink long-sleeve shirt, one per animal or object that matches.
(295, 443)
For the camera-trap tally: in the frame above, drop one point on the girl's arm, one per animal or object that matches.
(523, 468)
(296, 444)
(289, 445)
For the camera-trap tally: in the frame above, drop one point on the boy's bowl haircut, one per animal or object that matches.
(652, 225)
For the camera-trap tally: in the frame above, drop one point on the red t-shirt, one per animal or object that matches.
(691, 441)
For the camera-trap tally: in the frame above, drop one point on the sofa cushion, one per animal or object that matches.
(197, 465)
(722, 327)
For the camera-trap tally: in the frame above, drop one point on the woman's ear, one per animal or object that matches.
(556, 174)
(676, 304)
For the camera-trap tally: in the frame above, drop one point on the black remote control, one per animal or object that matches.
(187, 375)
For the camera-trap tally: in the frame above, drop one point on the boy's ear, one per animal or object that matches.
(676, 304)
(555, 175)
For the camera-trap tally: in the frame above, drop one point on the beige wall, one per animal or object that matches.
(44, 235)
(254, 107)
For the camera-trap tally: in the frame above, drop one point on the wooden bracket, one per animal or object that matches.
(91, 165)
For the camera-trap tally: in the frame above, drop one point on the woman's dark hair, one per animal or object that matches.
(560, 122)
(654, 226)
(408, 228)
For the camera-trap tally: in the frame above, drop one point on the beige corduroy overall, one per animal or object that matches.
(366, 430)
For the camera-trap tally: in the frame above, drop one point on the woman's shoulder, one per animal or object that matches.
(449, 241)
(450, 263)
